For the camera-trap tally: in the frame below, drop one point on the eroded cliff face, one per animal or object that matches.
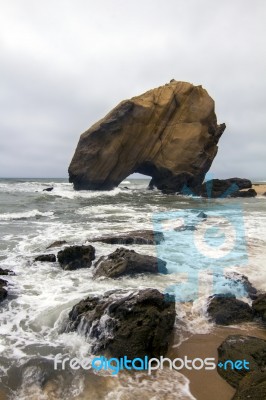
(169, 133)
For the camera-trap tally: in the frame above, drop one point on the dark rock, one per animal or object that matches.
(127, 262)
(202, 215)
(6, 272)
(46, 258)
(185, 228)
(236, 278)
(264, 194)
(239, 347)
(225, 309)
(259, 306)
(3, 291)
(57, 243)
(49, 189)
(223, 187)
(169, 133)
(132, 325)
(75, 257)
(252, 387)
(133, 237)
(3, 294)
(244, 193)
(3, 282)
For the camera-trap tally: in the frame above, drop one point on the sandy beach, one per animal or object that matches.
(260, 188)
(205, 385)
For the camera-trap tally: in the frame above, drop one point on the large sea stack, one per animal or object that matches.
(169, 133)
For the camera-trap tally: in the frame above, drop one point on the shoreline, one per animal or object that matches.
(260, 188)
(204, 385)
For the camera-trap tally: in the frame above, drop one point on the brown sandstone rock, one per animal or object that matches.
(169, 133)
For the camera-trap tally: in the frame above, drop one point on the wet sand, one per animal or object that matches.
(260, 188)
(208, 385)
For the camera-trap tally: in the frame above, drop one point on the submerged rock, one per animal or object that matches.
(259, 306)
(239, 347)
(49, 189)
(237, 279)
(231, 187)
(57, 243)
(202, 215)
(3, 291)
(127, 262)
(46, 258)
(169, 133)
(185, 228)
(75, 257)
(225, 309)
(126, 324)
(6, 272)
(133, 237)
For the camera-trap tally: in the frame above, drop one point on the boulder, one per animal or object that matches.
(169, 133)
(3, 291)
(133, 237)
(127, 262)
(75, 257)
(259, 306)
(46, 258)
(231, 187)
(57, 243)
(132, 324)
(225, 309)
(252, 387)
(239, 347)
(245, 193)
(6, 272)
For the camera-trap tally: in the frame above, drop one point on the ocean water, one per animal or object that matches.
(41, 295)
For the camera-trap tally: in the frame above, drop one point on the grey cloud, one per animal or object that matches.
(65, 64)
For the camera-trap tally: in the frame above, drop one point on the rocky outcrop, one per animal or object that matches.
(169, 133)
(127, 262)
(239, 347)
(259, 306)
(75, 257)
(245, 193)
(232, 187)
(3, 291)
(126, 324)
(225, 309)
(133, 237)
(46, 258)
(252, 387)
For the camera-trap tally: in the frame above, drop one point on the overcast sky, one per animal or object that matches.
(65, 63)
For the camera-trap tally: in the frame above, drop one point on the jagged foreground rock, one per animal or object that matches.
(250, 383)
(169, 133)
(132, 324)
